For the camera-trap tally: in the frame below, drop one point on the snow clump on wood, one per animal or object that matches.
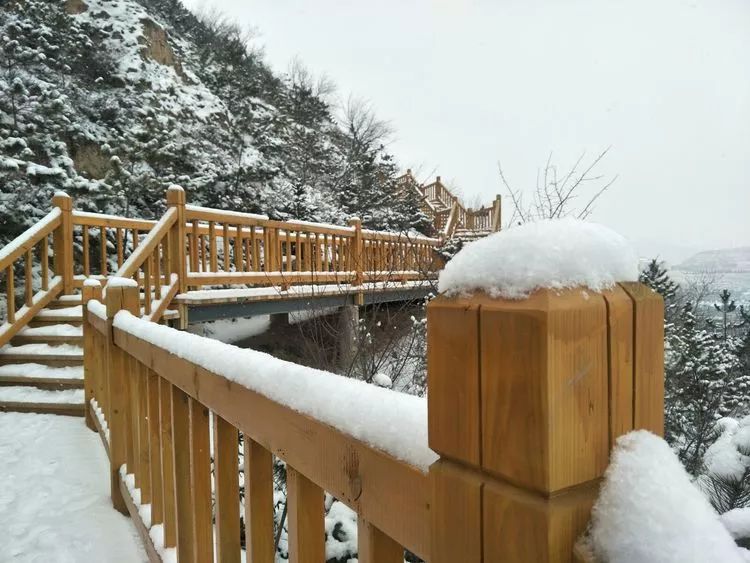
(552, 253)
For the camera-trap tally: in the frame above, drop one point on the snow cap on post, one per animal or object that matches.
(175, 195)
(91, 282)
(549, 254)
(121, 282)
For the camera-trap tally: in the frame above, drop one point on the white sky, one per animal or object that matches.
(467, 84)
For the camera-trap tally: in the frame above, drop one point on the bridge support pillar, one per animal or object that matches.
(348, 335)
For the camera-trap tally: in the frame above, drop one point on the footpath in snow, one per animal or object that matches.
(54, 496)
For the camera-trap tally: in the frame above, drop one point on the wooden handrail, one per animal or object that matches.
(84, 218)
(148, 245)
(29, 238)
(389, 493)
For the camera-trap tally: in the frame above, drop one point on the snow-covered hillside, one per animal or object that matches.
(113, 100)
(726, 260)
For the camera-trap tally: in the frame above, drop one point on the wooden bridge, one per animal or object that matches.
(500, 464)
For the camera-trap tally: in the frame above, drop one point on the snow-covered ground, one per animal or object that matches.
(54, 497)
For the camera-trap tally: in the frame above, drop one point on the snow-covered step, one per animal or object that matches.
(58, 356)
(31, 399)
(51, 334)
(65, 301)
(41, 376)
(66, 315)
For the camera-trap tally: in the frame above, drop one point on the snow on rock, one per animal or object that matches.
(649, 511)
(552, 253)
(55, 499)
(387, 420)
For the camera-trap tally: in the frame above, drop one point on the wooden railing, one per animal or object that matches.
(152, 408)
(453, 214)
(30, 248)
(521, 440)
(240, 248)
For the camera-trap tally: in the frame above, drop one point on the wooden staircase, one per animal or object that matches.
(41, 370)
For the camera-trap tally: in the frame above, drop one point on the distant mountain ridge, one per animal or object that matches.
(725, 260)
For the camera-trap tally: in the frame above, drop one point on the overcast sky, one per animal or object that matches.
(467, 84)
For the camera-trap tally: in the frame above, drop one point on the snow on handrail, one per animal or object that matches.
(386, 420)
(29, 238)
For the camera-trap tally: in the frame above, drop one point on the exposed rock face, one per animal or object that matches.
(157, 48)
(89, 160)
(75, 6)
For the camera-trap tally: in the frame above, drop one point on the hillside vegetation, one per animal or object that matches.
(114, 100)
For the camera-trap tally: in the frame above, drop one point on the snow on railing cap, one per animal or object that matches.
(60, 193)
(552, 253)
(122, 282)
(91, 282)
(175, 188)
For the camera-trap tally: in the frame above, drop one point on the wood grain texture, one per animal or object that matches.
(227, 486)
(305, 518)
(648, 378)
(523, 527)
(153, 421)
(373, 546)
(182, 474)
(455, 514)
(620, 353)
(259, 532)
(544, 389)
(200, 481)
(167, 463)
(453, 403)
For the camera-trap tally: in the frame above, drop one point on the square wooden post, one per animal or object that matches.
(92, 291)
(123, 296)
(522, 412)
(177, 244)
(62, 241)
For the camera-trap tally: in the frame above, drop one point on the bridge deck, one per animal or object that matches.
(213, 304)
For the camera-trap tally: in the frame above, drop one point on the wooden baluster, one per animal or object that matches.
(288, 251)
(279, 251)
(118, 299)
(202, 248)
(147, 286)
(28, 279)
(305, 518)
(103, 250)
(157, 271)
(318, 254)
(154, 447)
(11, 292)
(298, 251)
(144, 441)
(212, 246)
(167, 463)
(120, 248)
(181, 471)
(86, 252)
(136, 238)
(91, 373)
(225, 242)
(373, 546)
(44, 258)
(167, 261)
(326, 256)
(308, 253)
(259, 542)
(253, 246)
(132, 395)
(248, 253)
(200, 480)
(238, 250)
(194, 248)
(226, 478)
(333, 254)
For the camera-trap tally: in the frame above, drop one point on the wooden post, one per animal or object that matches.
(358, 257)
(119, 297)
(520, 412)
(62, 241)
(497, 213)
(92, 290)
(176, 242)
